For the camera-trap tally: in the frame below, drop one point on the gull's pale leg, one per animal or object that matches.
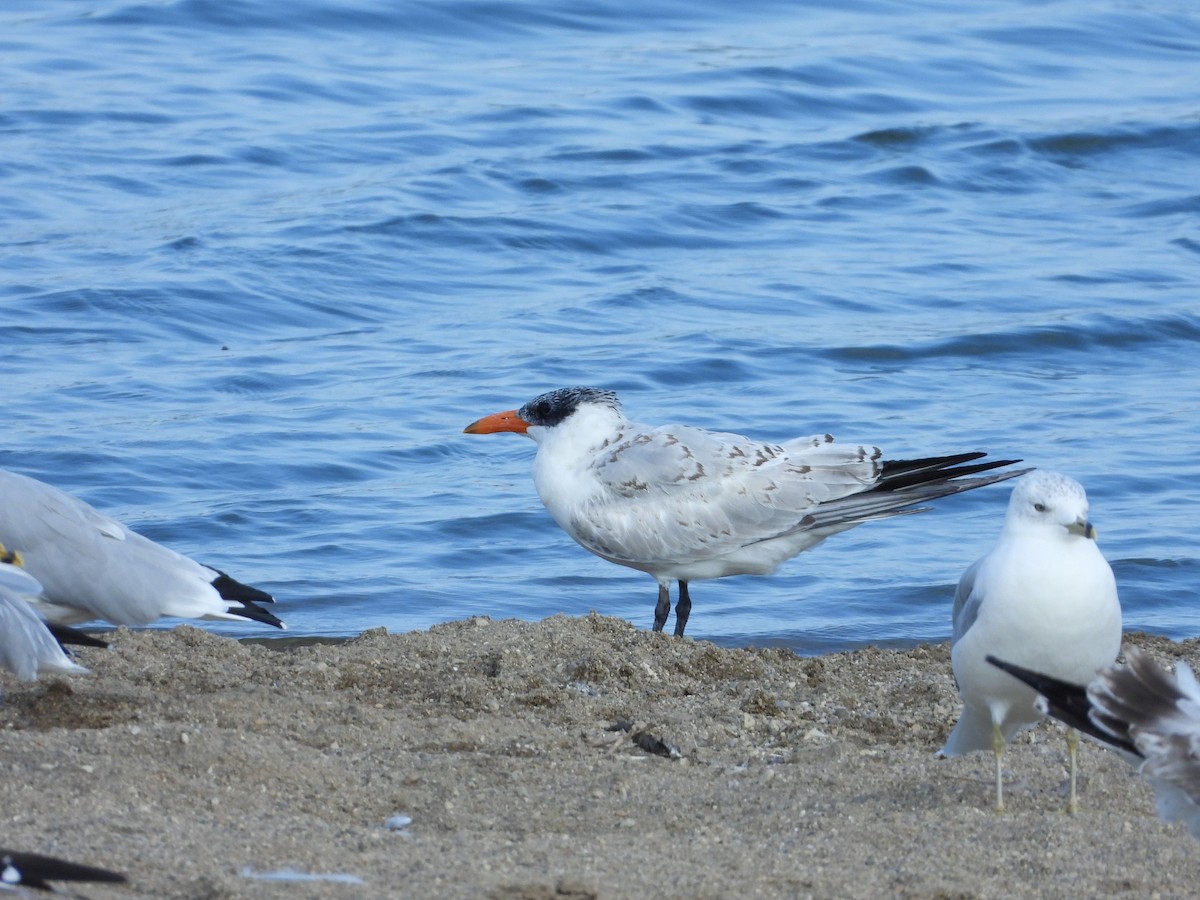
(1072, 754)
(998, 749)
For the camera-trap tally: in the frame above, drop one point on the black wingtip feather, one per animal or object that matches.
(65, 634)
(898, 475)
(244, 600)
(33, 870)
(235, 592)
(900, 466)
(1066, 702)
(248, 610)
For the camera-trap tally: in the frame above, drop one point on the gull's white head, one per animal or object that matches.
(1050, 500)
(585, 408)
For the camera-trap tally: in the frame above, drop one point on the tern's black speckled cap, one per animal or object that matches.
(553, 407)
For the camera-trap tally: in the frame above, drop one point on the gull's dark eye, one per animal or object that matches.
(1040, 507)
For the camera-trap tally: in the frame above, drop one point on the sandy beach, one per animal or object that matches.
(571, 757)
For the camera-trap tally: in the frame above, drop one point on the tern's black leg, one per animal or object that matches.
(683, 609)
(662, 609)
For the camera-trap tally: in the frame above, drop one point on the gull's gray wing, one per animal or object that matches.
(967, 601)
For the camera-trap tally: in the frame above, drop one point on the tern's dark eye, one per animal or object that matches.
(553, 407)
(1040, 507)
(549, 409)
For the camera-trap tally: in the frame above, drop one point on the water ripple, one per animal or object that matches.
(265, 262)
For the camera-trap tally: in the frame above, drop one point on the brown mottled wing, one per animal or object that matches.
(1162, 714)
(682, 494)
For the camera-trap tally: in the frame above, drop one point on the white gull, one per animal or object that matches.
(93, 567)
(1043, 597)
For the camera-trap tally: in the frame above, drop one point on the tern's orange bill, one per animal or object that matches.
(501, 421)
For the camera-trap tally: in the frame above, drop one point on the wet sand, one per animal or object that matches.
(186, 760)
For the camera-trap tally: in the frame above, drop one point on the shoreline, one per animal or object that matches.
(187, 758)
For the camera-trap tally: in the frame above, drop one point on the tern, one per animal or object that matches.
(1043, 597)
(33, 870)
(685, 504)
(1141, 711)
(93, 567)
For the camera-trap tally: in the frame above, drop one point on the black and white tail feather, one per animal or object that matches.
(903, 484)
(33, 870)
(1147, 714)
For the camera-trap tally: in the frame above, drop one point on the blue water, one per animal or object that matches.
(261, 263)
